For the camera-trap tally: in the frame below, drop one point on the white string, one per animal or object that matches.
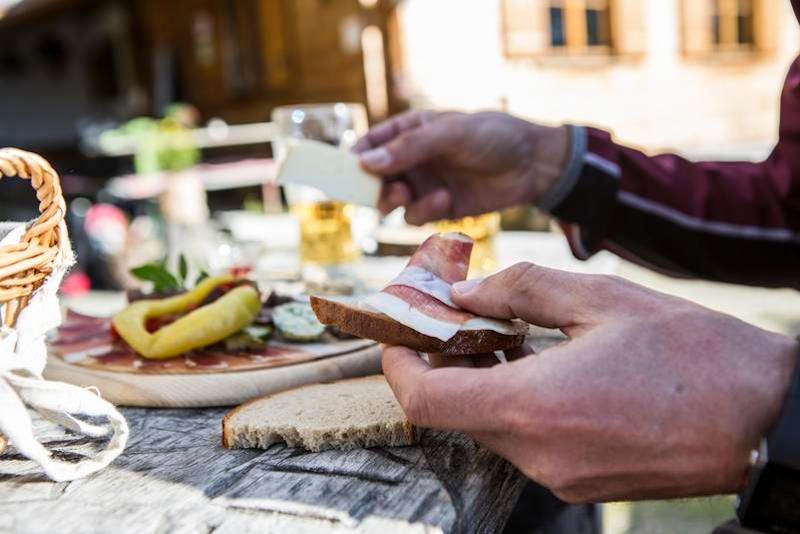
(23, 354)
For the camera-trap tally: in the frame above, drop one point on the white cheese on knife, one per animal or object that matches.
(336, 172)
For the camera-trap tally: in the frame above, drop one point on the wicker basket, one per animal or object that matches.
(25, 265)
(32, 264)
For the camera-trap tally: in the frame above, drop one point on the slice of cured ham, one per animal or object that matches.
(90, 342)
(81, 336)
(419, 297)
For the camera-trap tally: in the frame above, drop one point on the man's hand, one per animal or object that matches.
(450, 165)
(652, 397)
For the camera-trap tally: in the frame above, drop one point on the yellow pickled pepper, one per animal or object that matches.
(199, 328)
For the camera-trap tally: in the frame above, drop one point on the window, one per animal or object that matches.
(241, 52)
(532, 28)
(732, 23)
(598, 24)
(558, 36)
(573, 27)
(102, 69)
(578, 25)
(716, 27)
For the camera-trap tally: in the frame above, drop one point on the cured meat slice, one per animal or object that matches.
(419, 297)
(90, 342)
(446, 256)
(80, 337)
(441, 261)
(75, 319)
(428, 305)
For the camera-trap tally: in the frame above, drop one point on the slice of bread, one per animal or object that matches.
(382, 328)
(347, 414)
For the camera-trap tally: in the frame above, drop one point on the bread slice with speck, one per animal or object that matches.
(383, 329)
(347, 414)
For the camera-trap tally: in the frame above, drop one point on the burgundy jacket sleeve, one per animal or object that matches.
(727, 221)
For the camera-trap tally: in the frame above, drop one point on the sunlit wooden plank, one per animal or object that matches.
(728, 30)
(575, 15)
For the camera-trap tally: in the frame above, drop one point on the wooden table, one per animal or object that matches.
(175, 476)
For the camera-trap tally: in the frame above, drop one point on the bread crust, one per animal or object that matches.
(384, 329)
(227, 431)
(409, 430)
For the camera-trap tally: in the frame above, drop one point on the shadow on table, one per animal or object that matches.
(175, 467)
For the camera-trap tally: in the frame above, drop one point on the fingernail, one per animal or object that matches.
(467, 286)
(397, 194)
(358, 147)
(395, 198)
(377, 158)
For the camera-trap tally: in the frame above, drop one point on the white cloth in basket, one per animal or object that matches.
(23, 355)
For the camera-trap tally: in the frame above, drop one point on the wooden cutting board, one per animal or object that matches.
(85, 352)
(215, 388)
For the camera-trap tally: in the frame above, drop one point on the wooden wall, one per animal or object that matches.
(265, 52)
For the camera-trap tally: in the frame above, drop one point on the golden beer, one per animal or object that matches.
(481, 229)
(325, 235)
(325, 225)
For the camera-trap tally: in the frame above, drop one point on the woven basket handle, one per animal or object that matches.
(25, 265)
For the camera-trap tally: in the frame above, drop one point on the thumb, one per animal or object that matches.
(537, 295)
(410, 149)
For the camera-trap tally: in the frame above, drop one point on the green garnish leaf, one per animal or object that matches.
(160, 277)
(200, 277)
(183, 268)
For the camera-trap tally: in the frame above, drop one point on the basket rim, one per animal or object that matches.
(25, 265)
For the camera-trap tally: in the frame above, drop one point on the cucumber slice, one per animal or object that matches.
(258, 331)
(249, 338)
(296, 321)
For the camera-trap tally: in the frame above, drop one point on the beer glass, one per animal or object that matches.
(481, 229)
(326, 234)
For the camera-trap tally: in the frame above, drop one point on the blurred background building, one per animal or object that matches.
(698, 76)
(66, 65)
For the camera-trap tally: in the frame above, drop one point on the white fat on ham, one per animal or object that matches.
(456, 236)
(403, 313)
(426, 282)
(420, 296)
(80, 355)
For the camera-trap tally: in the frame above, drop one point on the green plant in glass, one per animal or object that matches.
(165, 144)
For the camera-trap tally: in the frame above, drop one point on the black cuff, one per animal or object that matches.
(572, 171)
(591, 201)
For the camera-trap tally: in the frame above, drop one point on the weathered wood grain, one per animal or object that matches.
(176, 477)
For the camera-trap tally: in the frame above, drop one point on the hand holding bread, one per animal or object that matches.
(415, 309)
(652, 397)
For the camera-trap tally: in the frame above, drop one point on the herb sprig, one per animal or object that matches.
(164, 281)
